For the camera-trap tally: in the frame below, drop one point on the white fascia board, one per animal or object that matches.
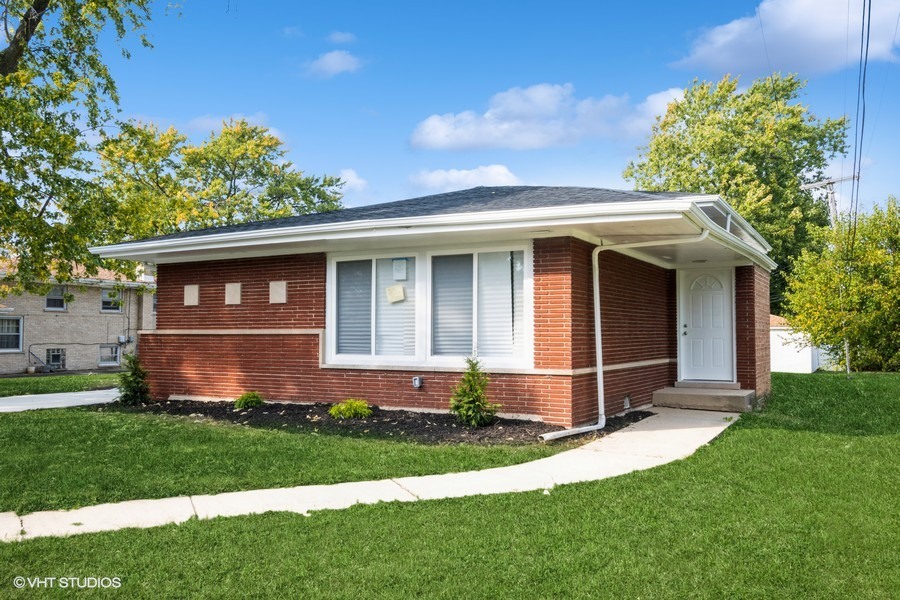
(730, 240)
(453, 223)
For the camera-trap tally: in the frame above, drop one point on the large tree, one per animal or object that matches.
(756, 148)
(164, 184)
(851, 289)
(54, 88)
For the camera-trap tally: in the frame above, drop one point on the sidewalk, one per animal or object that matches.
(61, 400)
(670, 435)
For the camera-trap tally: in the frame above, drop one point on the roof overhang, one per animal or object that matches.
(730, 241)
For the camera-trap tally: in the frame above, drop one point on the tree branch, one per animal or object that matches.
(10, 56)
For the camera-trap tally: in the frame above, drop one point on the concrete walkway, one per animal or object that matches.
(670, 435)
(61, 400)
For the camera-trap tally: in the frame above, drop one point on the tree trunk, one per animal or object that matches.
(10, 56)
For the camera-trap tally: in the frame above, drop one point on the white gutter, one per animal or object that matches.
(457, 222)
(598, 334)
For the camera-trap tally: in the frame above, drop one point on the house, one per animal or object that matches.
(791, 350)
(384, 302)
(87, 323)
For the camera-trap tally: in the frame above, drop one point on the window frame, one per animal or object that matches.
(18, 350)
(118, 361)
(47, 297)
(119, 300)
(423, 311)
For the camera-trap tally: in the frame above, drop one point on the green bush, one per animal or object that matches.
(469, 401)
(249, 400)
(133, 386)
(351, 408)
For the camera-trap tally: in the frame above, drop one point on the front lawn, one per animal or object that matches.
(52, 384)
(799, 501)
(55, 459)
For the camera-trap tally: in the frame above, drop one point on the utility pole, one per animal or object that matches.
(828, 184)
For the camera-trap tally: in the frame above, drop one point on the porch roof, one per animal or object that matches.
(480, 215)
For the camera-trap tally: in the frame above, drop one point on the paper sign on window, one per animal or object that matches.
(395, 293)
(399, 270)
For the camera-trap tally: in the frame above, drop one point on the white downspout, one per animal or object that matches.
(598, 334)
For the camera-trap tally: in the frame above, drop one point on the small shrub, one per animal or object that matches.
(133, 386)
(351, 408)
(469, 401)
(249, 400)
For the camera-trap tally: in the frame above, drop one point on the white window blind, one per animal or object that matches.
(451, 305)
(395, 306)
(501, 303)
(354, 307)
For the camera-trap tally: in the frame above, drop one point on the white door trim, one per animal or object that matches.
(681, 276)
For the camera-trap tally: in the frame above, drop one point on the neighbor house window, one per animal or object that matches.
(110, 301)
(56, 298)
(56, 358)
(109, 355)
(431, 309)
(376, 306)
(10, 334)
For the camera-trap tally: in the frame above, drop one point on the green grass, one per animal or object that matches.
(52, 384)
(797, 502)
(56, 459)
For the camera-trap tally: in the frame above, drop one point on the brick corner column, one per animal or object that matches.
(752, 329)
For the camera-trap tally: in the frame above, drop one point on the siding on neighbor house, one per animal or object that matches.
(79, 330)
(639, 312)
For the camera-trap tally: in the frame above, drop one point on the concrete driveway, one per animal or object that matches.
(63, 400)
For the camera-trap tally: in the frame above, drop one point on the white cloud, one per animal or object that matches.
(291, 31)
(445, 180)
(341, 37)
(541, 116)
(333, 63)
(803, 36)
(352, 181)
(208, 123)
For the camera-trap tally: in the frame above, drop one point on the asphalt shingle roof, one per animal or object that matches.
(474, 200)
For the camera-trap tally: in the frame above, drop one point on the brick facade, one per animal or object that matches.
(639, 312)
(751, 309)
(79, 330)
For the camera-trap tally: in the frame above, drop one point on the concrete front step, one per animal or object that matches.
(705, 399)
(712, 385)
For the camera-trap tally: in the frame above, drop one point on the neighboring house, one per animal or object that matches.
(359, 302)
(87, 323)
(791, 350)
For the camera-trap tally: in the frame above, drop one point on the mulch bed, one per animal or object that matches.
(426, 428)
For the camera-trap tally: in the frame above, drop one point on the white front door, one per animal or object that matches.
(706, 324)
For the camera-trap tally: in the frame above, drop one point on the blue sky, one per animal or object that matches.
(411, 98)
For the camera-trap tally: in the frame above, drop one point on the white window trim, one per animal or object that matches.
(21, 336)
(118, 360)
(422, 357)
(120, 299)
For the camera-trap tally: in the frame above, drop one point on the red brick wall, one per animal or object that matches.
(638, 324)
(305, 307)
(638, 312)
(285, 367)
(751, 286)
(553, 303)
